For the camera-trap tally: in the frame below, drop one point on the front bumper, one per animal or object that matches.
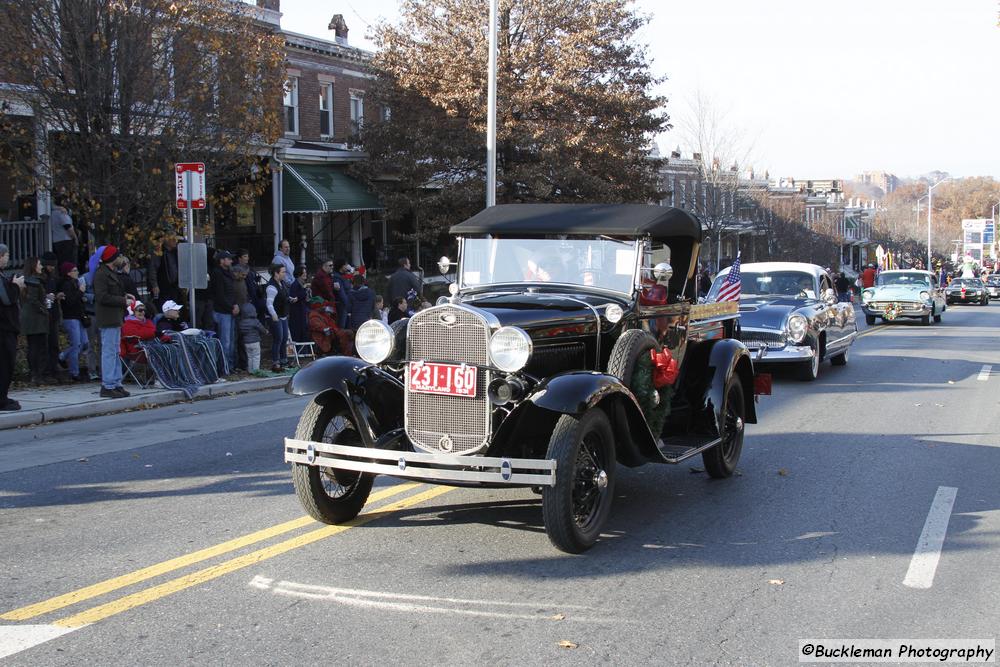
(457, 470)
(784, 355)
(968, 298)
(908, 311)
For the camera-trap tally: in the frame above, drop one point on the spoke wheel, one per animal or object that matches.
(327, 494)
(577, 507)
(720, 461)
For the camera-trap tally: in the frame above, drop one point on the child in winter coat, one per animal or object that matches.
(250, 331)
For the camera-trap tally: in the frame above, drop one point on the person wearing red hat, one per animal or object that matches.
(111, 302)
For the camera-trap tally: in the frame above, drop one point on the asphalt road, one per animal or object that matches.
(173, 536)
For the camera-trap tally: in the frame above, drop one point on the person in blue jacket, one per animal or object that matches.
(362, 302)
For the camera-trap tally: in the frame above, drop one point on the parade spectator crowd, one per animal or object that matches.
(110, 326)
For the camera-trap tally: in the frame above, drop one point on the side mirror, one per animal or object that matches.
(662, 273)
(444, 265)
(829, 296)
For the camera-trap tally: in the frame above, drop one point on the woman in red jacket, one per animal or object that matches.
(136, 328)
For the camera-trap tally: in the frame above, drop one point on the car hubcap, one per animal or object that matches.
(338, 483)
(590, 481)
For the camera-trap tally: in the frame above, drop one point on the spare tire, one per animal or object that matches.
(628, 348)
(630, 362)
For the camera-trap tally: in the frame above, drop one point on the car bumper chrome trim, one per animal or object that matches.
(905, 312)
(787, 354)
(422, 466)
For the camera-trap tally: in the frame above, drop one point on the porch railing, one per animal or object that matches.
(24, 238)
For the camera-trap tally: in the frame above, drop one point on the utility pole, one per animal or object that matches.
(491, 113)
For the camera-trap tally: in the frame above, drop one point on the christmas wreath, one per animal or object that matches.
(892, 311)
(653, 385)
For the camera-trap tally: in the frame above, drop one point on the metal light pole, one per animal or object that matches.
(491, 113)
(930, 207)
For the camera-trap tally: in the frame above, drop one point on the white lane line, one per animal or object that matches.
(925, 559)
(984, 374)
(426, 604)
(17, 638)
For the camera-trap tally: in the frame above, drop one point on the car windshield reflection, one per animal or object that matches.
(904, 279)
(600, 262)
(796, 284)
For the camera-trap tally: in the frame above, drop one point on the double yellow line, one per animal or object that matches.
(159, 591)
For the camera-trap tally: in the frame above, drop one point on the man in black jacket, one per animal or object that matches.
(10, 326)
(224, 307)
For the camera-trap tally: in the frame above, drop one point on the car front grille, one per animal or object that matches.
(449, 424)
(882, 305)
(768, 339)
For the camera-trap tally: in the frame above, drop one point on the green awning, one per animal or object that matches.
(320, 188)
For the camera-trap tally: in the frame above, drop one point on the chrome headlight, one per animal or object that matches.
(866, 295)
(510, 349)
(797, 327)
(373, 341)
(613, 313)
(925, 296)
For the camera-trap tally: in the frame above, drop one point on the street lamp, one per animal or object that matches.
(930, 207)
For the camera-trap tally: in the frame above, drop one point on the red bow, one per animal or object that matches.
(665, 368)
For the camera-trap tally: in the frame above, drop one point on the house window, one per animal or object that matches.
(326, 109)
(291, 108)
(385, 114)
(357, 111)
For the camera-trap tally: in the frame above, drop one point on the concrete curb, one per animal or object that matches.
(107, 406)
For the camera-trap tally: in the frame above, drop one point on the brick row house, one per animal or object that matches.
(310, 199)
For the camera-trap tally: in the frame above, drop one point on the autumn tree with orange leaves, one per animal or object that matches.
(121, 90)
(575, 109)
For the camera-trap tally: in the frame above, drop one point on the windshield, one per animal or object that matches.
(966, 282)
(589, 262)
(773, 283)
(993, 280)
(906, 279)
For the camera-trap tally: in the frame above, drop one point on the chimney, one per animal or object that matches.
(339, 27)
(273, 5)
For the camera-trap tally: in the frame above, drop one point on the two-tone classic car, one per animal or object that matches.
(967, 290)
(789, 314)
(992, 282)
(571, 344)
(904, 293)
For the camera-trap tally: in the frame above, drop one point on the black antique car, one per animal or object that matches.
(789, 315)
(570, 345)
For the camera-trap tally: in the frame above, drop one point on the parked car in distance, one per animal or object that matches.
(900, 293)
(992, 283)
(571, 344)
(967, 290)
(789, 314)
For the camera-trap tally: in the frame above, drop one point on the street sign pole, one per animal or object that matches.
(188, 186)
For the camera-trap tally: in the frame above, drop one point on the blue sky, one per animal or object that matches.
(823, 89)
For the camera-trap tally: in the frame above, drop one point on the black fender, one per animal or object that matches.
(726, 358)
(576, 392)
(374, 397)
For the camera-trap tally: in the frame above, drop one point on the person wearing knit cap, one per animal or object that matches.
(72, 321)
(111, 300)
(51, 278)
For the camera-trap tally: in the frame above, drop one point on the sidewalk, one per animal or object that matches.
(74, 401)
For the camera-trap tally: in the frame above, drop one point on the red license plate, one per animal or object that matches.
(449, 379)
(762, 384)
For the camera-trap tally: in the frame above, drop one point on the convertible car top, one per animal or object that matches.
(608, 219)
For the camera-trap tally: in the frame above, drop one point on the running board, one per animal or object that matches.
(675, 450)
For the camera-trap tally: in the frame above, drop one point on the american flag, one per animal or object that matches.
(733, 285)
